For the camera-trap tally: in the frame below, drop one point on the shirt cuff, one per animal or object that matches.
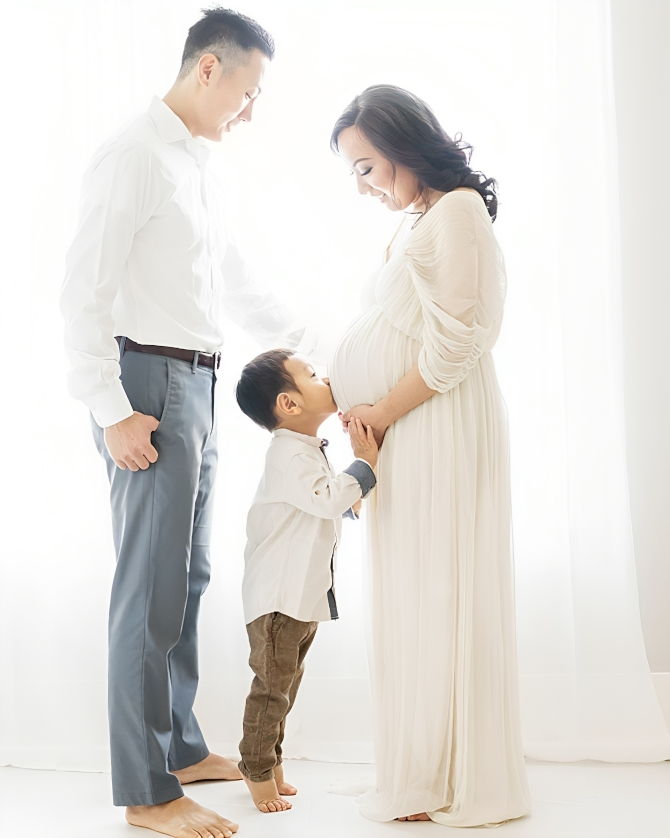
(110, 405)
(362, 471)
(306, 342)
(319, 344)
(350, 514)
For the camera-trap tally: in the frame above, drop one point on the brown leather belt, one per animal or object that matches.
(204, 360)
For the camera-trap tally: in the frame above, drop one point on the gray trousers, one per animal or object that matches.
(161, 521)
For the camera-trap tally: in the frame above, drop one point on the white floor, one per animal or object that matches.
(574, 800)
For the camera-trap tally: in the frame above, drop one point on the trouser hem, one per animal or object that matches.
(201, 754)
(148, 798)
(256, 778)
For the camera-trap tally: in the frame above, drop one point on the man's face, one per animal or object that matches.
(228, 99)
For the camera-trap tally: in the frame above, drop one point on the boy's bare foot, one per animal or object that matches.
(212, 767)
(282, 786)
(420, 817)
(266, 796)
(181, 818)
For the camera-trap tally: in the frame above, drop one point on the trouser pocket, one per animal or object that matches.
(146, 380)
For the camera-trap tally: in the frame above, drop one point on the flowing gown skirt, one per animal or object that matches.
(444, 674)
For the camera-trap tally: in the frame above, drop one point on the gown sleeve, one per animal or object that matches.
(458, 273)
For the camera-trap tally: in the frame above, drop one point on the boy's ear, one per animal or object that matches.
(287, 405)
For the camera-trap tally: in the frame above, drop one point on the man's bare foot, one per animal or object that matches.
(266, 796)
(420, 817)
(282, 786)
(212, 767)
(181, 818)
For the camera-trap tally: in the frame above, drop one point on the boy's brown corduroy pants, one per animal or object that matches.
(278, 648)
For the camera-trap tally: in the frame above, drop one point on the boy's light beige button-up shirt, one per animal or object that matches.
(294, 526)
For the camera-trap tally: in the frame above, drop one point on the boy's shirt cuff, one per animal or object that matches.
(362, 471)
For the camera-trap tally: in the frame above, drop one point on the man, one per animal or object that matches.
(147, 273)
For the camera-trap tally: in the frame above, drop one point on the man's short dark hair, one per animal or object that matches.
(228, 35)
(262, 380)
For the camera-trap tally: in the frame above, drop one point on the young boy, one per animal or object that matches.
(293, 529)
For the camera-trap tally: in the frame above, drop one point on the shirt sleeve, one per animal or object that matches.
(116, 202)
(459, 276)
(256, 309)
(311, 489)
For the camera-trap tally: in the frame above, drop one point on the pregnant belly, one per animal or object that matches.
(370, 360)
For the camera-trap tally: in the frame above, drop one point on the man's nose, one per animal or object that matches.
(245, 115)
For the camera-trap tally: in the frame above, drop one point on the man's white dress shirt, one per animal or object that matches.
(154, 259)
(294, 526)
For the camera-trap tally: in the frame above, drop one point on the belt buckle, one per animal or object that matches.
(217, 360)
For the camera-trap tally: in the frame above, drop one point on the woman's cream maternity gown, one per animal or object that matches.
(444, 674)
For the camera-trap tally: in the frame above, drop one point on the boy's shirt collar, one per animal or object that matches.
(316, 441)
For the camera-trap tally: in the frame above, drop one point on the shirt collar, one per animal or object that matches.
(170, 127)
(316, 441)
(172, 130)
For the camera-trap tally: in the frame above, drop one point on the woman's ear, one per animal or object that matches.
(287, 406)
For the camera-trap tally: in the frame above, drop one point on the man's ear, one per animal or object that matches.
(206, 67)
(287, 405)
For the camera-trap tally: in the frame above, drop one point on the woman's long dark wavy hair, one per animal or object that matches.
(405, 130)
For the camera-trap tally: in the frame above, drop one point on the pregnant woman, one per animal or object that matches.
(417, 366)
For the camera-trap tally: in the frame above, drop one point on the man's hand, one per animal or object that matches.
(129, 442)
(357, 506)
(363, 442)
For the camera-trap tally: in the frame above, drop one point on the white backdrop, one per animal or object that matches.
(528, 84)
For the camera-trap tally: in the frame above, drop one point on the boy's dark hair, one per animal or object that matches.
(262, 380)
(228, 35)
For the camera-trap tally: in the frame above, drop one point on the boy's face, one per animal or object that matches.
(314, 397)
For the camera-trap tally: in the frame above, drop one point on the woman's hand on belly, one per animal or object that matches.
(408, 393)
(369, 415)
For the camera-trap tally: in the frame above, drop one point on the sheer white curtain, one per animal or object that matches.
(528, 84)
(585, 683)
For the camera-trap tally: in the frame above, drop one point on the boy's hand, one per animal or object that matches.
(363, 441)
(369, 415)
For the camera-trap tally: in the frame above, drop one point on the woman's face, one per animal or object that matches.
(374, 173)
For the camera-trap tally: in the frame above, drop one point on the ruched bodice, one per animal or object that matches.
(425, 292)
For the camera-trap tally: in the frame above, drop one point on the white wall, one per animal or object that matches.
(640, 32)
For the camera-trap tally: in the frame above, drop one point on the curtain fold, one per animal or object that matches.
(586, 688)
